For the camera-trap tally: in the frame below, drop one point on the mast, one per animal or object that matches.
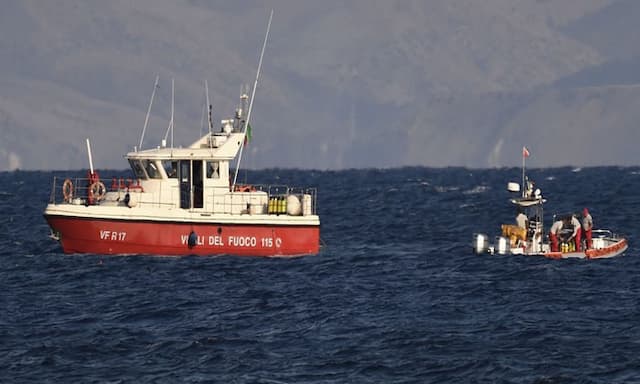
(90, 157)
(172, 107)
(170, 127)
(524, 187)
(253, 94)
(146, 119)
(525, 154)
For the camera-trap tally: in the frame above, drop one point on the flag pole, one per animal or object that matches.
(523, 185)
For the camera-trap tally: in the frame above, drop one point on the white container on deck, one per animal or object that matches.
(307, 208)
(256, 209)
(597, 243)
(293, 205)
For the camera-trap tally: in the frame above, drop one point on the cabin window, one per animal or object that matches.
(152, 169)
(137, 168)
(213, 169)
(171, 168)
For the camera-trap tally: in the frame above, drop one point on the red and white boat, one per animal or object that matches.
(185, 201)
(181, 203)
(532, 240)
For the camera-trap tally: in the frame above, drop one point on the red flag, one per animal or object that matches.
(525, 152)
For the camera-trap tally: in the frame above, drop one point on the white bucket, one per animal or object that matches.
(133, 199)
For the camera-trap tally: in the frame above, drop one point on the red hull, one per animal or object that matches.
(612, 250)
(99, 236)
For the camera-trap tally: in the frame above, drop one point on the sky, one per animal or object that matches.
(357, 84)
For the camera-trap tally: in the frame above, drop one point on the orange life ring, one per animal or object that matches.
(67, 190)
(97, 190)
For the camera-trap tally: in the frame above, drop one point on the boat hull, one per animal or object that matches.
(149, 237)
(614, 248)
(604, 247)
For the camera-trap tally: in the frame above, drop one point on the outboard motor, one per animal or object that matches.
(481, 243)
(503, 245)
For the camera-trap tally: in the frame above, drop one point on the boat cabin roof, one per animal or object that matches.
(528, 202)
(215, 146)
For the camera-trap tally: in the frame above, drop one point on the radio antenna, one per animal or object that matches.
(170, 127)
(253, 94)
(146, 119)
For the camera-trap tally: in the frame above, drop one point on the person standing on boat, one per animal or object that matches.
(554, 232)
(529, 190)
(577, 231)
(522, 219)
(587, 226)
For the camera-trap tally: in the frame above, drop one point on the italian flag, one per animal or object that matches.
(247, 134)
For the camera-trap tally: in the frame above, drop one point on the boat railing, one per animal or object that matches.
(267, 199)
(601, 233)
(284, 198)
(67, 189)
(82, 190)
(254, 199)
(605, 234)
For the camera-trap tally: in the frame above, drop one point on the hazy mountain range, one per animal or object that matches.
(344, 84)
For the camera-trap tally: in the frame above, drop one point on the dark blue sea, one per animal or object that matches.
(396, 294)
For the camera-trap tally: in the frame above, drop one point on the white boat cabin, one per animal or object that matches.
(197, 177)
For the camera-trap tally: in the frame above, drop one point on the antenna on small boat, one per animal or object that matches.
(146, 119)
(170, 127)
(525, 154)
(253, 94)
